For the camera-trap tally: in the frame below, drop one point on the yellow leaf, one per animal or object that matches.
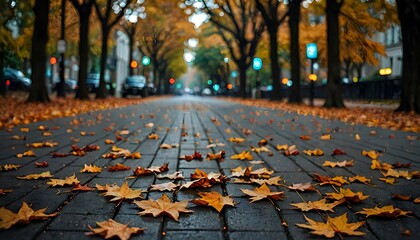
(236, 139)
(282, 147)
(262, 192)
(348, 195)
(398, 174)
(109, 141)
(24, 216)
(320, 205)
(260, 149)
(361, 179)
(153, 136)
(28, 153)
(123, 192)
(9, 167)
(36, 176)
(376, 164)
(325, 137)
(91, 169)
(271, 181)
(213, 199)
(388, 180)
(245, 155)
(72, 180)
(111, 228)
(163, 206)
(315, 152)
(332, 226)
(386, 211)
(372, 154)
(344, 163)
(357, 137)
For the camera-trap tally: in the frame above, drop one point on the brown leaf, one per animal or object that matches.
(42, 144)
(168, 186)
(173, 176)
(386, 211)
(195, 156)
(91, 169)
(348, 195)
(163, 206)
(305, 137)
(216, 156)
(337, 151)
(5, 191)
(139, 171)
(332, 226)
(83, 188)
(72, 180)
(337, 181)
(401, 197)
(56, 154)
(344, 163)
(213, 199)
(262, 192)
(302, 187)
(24, 216)
(401, 165)
(41, 164)
(271, 181)
(111, 228)
(9, 167)
(122, 193)
(118, 167)
(36, 176)
(320, 205)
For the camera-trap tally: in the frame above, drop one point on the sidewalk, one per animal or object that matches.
(193, 123)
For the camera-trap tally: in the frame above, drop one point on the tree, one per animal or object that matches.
(409, 15)
(109, 13)
(271, 13)
(39, 92)
(209, 60)
(84, 9)
(294, 18)
(240, 25)
(334, 96)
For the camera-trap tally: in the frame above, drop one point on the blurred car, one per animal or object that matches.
(134, 85)
(92, 82)
(16, 80)
(70, 85)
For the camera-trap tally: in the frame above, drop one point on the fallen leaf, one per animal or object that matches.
(118, 167)
(109, 141)
(319, 205)
(337, 151)
(169, 186)
(111, 228)
(195, 156)
(282, 147)
(315, 152)
(83, 188)
(260, 149)
(291, 151)
(271, 181)
(236, 139)
(173, 176)
(72, 180)
(357, 137)
(91, 169)
(305, 137)
(41, 164)
(361, 179)
(325, 137)
(388, 180)
(335, 225)
(165, 146)
(28, 153)
(213, 199)
(163, 206)
(348, 195)
(154, 136)
(216, 156)
(122, 193)
(24, 215)
(9, 167)
(262, 192)
(245, 155)
(36, 176)
(344, 163)
(17, 137)
(376, 164)
(198, 183)
(56, 154)
(24, 129)
(337, 181)
(401, 165)
(386, 211)
(401, 197)
(42, 144)
(302, 187)
(140, 171)
(213, 145)
(398, 174)
(5, 191)
(263, 142)
(372, 154)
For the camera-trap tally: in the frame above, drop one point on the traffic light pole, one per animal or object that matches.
(312, 89)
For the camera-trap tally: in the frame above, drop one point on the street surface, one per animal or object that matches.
(191, 124)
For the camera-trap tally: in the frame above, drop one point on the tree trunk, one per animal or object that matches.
(102, 91)
(409, 15)
(294, 17)
(82, 92)
(38, 91)
(334, 97)
(131, 41)
(242, 79)
(274, 61)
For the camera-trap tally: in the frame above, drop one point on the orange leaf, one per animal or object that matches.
(23, 216)
(213, 199)
(164, 206)
(111, 228)
(262, 192)
(386, 211)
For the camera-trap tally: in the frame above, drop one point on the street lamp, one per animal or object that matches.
(312, 54)
(226, 60)
(257, 65)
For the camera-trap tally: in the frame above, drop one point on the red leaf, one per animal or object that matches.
(337, 151)
(41, 164)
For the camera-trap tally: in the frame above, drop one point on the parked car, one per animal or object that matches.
(92, 82)
(16, 80)
(134, 85)
(70, 85)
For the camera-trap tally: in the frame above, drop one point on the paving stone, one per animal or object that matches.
(89, 203)
(74, 222)
(191, 235)
(256, 235)
(68, 235)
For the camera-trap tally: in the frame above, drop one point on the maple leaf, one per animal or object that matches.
(337, 181)
(164, 206)
(262, 192)
(379, 165)
(213, 145)
(261, 173)
(260, 149)
(61, 182)
(211, 177)
(401, 197)
(83, 188)
(344, 163)
(332, 226)
(122, 193)
(361, 179)
(282, 147)
(213, 199)
(9, 167)
(388, 180)
(118, 167)
(372, 154)
(315, 152)
(325, 137)
(28, 153)
(305, 137)
(36, 176)
(91, 169)
(173, 176)
(401, 165)
(263, 142)
(236, 139)
(169, 186)
(302, 187)
(42, 144)
(56, 154)
(196, 155)
(245, 155)
(111, 228)
(348, 195)
(271, 181)
(139, 171)
(288, 151)
(5, 191)
(24, 215)
(109, 141)
(202, 183)
(216, 156)
(320, 205)
(398, 174)
(386, 211)
(165, 146)
(239, 172)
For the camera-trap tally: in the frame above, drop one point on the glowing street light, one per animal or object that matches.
(385, 71)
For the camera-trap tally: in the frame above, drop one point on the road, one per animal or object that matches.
(191, 124)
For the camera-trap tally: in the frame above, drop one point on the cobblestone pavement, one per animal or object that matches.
(194, 122)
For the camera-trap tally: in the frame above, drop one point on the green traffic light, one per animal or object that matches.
(145, 61)
(209, 82)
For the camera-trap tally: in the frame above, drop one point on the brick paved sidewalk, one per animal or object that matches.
(193, 123)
